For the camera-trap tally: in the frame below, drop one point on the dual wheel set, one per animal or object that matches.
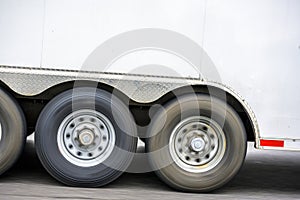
(88, 137)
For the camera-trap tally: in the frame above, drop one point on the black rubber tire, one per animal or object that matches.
(46, 137)
(13, 128)
(159, 136)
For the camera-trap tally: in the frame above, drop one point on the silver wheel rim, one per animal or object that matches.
(86, 138)
(197, 144)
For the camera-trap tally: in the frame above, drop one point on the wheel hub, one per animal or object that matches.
(86, 137)
(197, 144)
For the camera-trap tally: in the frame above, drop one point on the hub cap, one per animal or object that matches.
(197, 144)
(86, 138)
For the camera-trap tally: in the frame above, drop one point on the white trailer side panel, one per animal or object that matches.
(256, 48)
(21, 32)
(74, 29)
(253, 44)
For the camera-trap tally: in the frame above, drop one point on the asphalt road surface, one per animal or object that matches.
(265, 175)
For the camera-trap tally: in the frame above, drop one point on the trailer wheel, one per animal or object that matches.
(200, 146)
(12, 131)
(85, 137)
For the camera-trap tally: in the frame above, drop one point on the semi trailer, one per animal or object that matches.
(194, 80)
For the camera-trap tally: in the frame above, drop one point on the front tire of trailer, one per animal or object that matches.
(196, 144)
(85, 137)
(12, 133)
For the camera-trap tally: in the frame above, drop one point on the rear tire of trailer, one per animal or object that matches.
(12, 133)
(85, 137)
(196, 144)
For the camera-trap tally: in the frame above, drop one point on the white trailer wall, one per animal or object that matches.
(74, 29)
(21, 32)
(253, 43)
